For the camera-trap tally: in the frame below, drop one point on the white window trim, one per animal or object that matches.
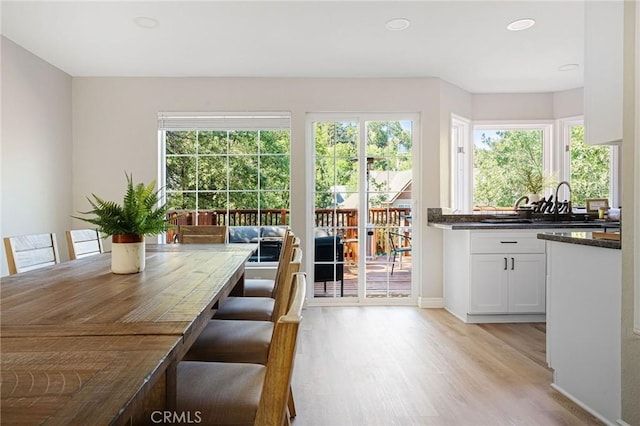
(546, 126)
(461, 154)
(563, 166)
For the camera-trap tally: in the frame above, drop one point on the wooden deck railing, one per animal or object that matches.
(344, 222)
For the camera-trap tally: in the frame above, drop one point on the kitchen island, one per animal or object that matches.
(583, 320)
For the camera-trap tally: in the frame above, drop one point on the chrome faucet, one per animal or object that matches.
(557, 204)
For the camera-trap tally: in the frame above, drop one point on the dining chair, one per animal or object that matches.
(398, 249)
(28, 252)
(264, 287)
(227, 340)
(203, 234)
(83, 243)
(260, 308)
(232, 340)
(243, 393)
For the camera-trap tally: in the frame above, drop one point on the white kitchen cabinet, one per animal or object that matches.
(495, 275)
(507, 283)
(603, 65)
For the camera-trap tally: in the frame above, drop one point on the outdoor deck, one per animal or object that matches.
(380, 282)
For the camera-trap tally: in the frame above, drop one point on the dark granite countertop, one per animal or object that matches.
(516, 225)
(582, 238)
(436, 219)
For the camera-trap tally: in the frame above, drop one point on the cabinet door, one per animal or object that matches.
(489, 284)
(603, 79)
(527, 283)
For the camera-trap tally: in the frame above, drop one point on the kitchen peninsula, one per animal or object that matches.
(495, 265)
(505, 268)
(583, 320)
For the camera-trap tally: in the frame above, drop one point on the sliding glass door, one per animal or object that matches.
(362, 216)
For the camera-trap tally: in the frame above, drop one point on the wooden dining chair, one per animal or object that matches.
(241, 340)
(264, 287)
(28, 252)
(229, 340)
(243, 393)
(83, 243)
(259, 308)
(203, 234)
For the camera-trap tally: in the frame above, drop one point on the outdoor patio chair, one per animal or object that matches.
(398, 249)
(329, 258)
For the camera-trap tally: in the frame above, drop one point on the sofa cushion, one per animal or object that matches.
(273, 231)
(243, 234)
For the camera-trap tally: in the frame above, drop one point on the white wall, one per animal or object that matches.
(631, 227)
(36, 147)
(568, 103)
(115, 122)
(512, 106)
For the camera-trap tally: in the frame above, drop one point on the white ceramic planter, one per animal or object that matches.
(127, 257)
(534, 198)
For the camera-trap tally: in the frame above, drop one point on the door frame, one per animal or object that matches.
(416, 206)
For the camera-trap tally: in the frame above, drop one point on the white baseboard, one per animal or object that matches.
(431, 302)
(584, 406)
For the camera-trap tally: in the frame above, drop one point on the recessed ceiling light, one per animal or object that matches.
(145, 22)
(521, 24)
(568, 67)
(397, 24)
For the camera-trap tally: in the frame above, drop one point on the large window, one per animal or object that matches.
(226, 170)
(587, 168)
(509, 162)
(499, 163)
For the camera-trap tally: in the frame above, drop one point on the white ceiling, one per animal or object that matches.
(463, 42)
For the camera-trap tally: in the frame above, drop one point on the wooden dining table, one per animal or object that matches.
(81, 345)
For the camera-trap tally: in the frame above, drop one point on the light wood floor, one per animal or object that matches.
(368, 366)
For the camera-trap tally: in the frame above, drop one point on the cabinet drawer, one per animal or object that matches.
(506, 242)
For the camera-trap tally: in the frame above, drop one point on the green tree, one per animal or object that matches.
(504, 163)
(508, 164)
(337, 156)
(336, 148)
(235, 169)
(589, 169)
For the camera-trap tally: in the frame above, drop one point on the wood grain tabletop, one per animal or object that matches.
(81, 345)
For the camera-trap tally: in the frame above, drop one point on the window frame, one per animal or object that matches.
(564, 163)
(206, 122)
(546, 126)
(461, 180)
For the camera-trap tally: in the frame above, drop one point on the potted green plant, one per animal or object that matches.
(139, 214)
(534, 182)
